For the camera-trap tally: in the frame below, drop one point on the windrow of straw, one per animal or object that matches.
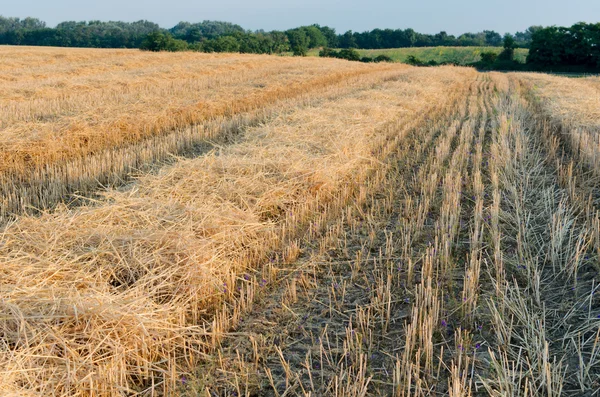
(137, 100)
(75, 129)
(572, 107)
(573, 101)
(42, 188)
(124, 296)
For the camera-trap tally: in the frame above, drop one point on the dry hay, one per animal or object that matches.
(57, 104)
(124, 296)
(573, 101)
(74, 119)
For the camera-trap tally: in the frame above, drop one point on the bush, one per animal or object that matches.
(328, 53)
(413, 60)
(350, 54)
(506, 64)
(488, 57)
(382, 58)
(492, 61)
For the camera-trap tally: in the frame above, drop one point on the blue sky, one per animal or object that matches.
(427, 16)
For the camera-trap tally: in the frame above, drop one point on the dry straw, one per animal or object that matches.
(125, 296)
(69, 113)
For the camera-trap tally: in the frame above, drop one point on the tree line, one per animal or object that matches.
(556, 49)
(206, 35)
(398, 38)
(93, 34)
(553, 49)
(550, 48)
(562, 48)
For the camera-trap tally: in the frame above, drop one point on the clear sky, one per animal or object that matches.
(426, 16)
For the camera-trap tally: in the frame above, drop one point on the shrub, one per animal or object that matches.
(383, 58)
(328, 53)
(488, 57)
(350, 54)
(413, 60)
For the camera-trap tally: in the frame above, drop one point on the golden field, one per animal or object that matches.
(71, 116)
(286, 226)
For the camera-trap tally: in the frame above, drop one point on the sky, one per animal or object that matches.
(426, 16)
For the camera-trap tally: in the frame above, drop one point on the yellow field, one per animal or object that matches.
(72, 115)
(284, 226)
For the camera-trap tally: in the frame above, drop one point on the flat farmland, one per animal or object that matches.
(238, 225)
(67, 114)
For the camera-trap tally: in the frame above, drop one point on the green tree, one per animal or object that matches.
(299, 42)
(562, 48)
(315, 37)
(350, 54)
(471, 39)
(523, 39)
(508, 53)
(547, 47)
(160, 41)
(330, 35)
(492, 38)
(222, 44)
(205, 29)
(347, 40)
(279, 42)
(488, 57)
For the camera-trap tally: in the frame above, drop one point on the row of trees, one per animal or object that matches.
(553, 48)
(560, 48)
(389, 38)
(557, 49)
(195, 32)
(96, 34)
(247, 43)
(209, 35)
(298, 40)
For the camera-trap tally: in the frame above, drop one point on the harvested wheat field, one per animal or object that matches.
(71, 119)
(240, 225)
